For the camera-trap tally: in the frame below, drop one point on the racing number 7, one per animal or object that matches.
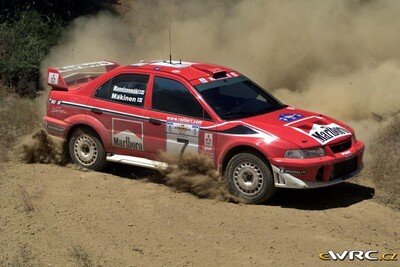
(185, 143)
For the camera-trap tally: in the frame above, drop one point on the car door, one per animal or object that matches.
(176, 120)
(119, 104)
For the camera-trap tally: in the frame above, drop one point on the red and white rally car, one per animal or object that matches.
(128, 114)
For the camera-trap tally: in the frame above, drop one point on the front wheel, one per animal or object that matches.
(249, 178)
(86, 150)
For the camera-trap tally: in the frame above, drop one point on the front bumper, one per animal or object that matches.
(324, 171)
(285, 180)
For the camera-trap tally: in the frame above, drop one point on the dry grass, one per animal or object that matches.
(26, 199)
(386, 163)
(24, 258)
(81, 256)
(18, 117)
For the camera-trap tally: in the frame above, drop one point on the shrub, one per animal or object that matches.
(28, 29)
(23, 44)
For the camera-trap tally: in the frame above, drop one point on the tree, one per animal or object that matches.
(28, 29)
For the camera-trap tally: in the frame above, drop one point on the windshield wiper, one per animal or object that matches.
(237, 113)
(270, 109)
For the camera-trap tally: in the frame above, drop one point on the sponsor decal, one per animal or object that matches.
(298, 172)
(184, 120)
(183, 129)
(208, 151)
(346, 153)
(289, 117)
(53, 78)
(231, 74)
(86, 65)
(54, 128)
(208, 139)
(127, 134)
(203, 80)
(59, 110)
(180, 128)
(319, 129)
(326, 133)
(130, 95)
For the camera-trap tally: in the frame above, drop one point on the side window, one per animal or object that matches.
(125, 88)
(129, 89)
(172, 96)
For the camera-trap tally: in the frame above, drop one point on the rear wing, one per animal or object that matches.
(63, 77)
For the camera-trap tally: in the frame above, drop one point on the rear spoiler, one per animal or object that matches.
(61, 78)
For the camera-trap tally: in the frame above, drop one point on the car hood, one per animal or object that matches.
(301, 127)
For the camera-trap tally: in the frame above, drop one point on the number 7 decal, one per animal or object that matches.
(185, 143)
(182, 138)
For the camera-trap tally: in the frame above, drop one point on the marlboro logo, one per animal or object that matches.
(320, 129)
(127, 134)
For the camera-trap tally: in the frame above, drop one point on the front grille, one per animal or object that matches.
(344, 168)
(340, 147)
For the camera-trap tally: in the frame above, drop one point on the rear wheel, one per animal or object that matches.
(250, 178)
(86, 150)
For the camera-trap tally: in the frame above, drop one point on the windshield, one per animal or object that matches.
(237, 98)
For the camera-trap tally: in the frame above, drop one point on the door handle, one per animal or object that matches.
(155, 122)
(96, 111)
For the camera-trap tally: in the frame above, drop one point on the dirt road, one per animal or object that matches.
(88, 218)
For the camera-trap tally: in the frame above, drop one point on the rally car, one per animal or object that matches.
(128, 114)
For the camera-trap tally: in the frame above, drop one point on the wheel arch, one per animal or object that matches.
(242, 149)
(91, 123)
(85, 126)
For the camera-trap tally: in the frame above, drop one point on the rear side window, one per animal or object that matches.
(125, 88)
(103, 91)
(173, 97)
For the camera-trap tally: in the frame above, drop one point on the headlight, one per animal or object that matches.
(306, 153)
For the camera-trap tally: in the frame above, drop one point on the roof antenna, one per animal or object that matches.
(73, 63)
(170, 53)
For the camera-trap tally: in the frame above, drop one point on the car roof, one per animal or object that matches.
(195, 73)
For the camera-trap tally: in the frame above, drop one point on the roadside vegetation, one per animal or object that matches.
(28, 30)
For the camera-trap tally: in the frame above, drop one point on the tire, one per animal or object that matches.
(250, 178)
(86, 150)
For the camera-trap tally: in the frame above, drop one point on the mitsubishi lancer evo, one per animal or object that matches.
(128, 114)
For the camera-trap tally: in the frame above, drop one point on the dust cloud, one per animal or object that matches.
(195, 173)
(39, 147)
(340, 58)
(385, 164)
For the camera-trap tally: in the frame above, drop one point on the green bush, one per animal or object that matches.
(63, 10)
(23, 44)
(28, 29)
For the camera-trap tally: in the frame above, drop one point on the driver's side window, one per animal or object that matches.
(173, 97)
